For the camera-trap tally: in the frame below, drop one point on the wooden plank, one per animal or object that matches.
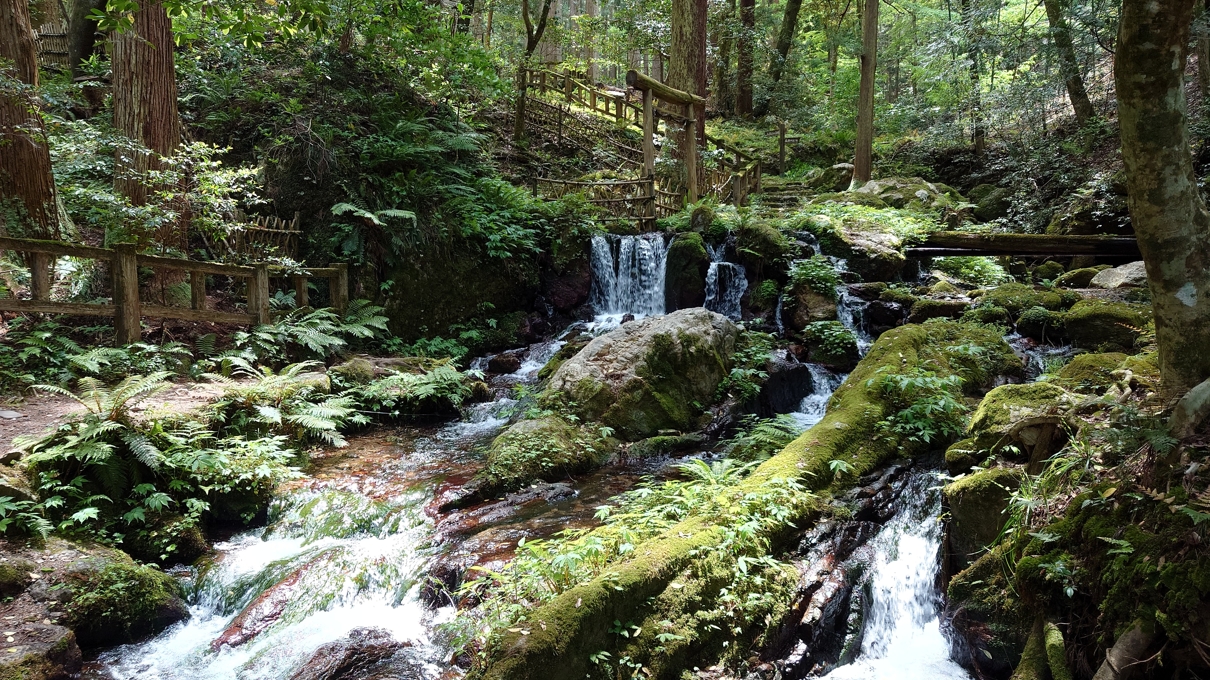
(45, 307)
(187, 314)
(30, 245)
(301, 294)
(339, 287)
(644, 83)
(195, 266)
(127, 325)
(41, 266)
(197, 289)
(1031, 244)
(648, 135)
(258, 294)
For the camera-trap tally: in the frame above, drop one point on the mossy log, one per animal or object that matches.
(676, 575)
(959, 243)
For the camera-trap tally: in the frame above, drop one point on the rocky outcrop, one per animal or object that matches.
(647, 375)
(39, 651)
(834, 178)
(1104, 324)
(1133, 275)
(15, 485)
(976, 506)
(910, 192)
(685, 277)
(1027, 417)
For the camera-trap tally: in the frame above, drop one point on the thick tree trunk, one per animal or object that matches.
(743, 68)
(724, 92)
(1169, 216)
(81, 33)
(1061, 34)
(145, 101)
(863, 160)
(785, 38)
(687, 57)
(27, 187)
(973, 38)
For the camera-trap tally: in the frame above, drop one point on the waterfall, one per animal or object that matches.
(628, 276)
(823, 383)
(726, 283)
(902, 637)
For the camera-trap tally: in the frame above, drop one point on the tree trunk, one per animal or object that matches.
(1061, 34)
(743, 68)
(1203, 54)
(145, 101)
(1169, 216)
(27, 187)
(81, 33)
(785, 38)
(463, 25)
(687, 57)
(863, 161)
(971, 24)
(724, 93)
(533, 37)
(519, 112)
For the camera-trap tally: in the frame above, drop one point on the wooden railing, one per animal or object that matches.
(127, 309)
(52, 44)
(567, 128)
(265, 237)
(620, 200)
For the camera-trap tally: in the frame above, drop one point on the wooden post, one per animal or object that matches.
(300, 292)
(560, 126)
(781, 147)
(620, 109)
(592, 99)
(258, 293)
(542, 81)
(567, 83)
(648, 135)
(340, 286)
(127, 310)
(689, 147)
(197, 289)
(39, 276)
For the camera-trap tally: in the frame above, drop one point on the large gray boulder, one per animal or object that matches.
(1133, 275)
(649, 375)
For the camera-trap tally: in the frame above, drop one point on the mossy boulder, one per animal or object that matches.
(898, 296)
(112, 599)
(933, 308)
(679, 575)
(910, 192)
(831, 344)
(685, 278)
(15, 485)
(1078, 278)
(1144, 369)
(804, 306)
(1018, 297)
(987, 612)
(1091, 372)
(1027, 417)
(1095, 324)
(565, 352)
(1041, 324)
(962, 455)
(649, 375)
(43, 652)
(663, 445)
(1048, 271)
(873, 252)
(834, 178)
(850, 197)
(356, 371)
(1099, 211)
(991, 202)
(546, 448)
(762, 249)
(15, 575)
(987, 314)
(976, 506)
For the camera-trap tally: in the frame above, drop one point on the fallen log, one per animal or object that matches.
(960, 243)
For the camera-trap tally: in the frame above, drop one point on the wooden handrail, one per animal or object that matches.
(645, 83)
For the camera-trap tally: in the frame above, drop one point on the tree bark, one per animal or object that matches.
(81, 33)
(687, 57)
(724, 92)
(1060, 33)
(1203, 54)
(27, 187)
(145, 100)
(743, 68)
(1169, 216)
(785, 38)
(863, 161)
(973, 38)
(533, 37)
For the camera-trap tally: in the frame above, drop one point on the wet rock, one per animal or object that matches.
(809, 306)
(930, 308)
(1028, 417)
(882, 316)
(110, 599)
(39, 652)
(663, 445)
(867, 291)
(504, 363)
(688, 264)
(976, 506)
(789, 382)
(1133, 275)
(16, 574)
(352, 657)
(645, 376)
(263, 612)
(571, 287)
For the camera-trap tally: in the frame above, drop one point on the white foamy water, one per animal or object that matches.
(813, 407)
(627, 277)
(902, 639)
(726, 283)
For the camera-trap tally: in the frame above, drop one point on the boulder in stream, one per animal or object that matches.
(1133, 275)
(976, 506)
(356, 657)
(1026, 417)
(1104, 324)
(41, 652)
(646, 375)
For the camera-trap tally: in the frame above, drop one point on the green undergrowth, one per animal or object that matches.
(690, 583)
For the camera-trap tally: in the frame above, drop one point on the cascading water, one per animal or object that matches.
(823, 383)
(628, 277)
(726, 283)
(902, 638)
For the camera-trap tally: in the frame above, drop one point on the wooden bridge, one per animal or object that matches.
(127, 309)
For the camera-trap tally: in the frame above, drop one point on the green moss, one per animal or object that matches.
(1033, 664)
(1041, 324)
(1009, 407)
(115, 599)
(565, 352)
(976, 504)
(929, 308)
(664, 445)
(943, 288)
(687, 265)
(1144, 367)
(1095, 324)
(988, 314)
(1056, 652)
(1091, 372)
(357, 371)
(15, 575)
(1048, 271)
(760, 245)
(985, 595)
(1017, 297)
(1078, 278)
(544, 448)
(962, 455)
(673, 576)
(849, 197)
(899, 296)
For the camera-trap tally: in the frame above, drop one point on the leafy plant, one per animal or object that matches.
(760, 438)
(816, 273)
(925, 407)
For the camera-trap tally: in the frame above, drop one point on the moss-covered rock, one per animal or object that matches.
(873, 251)
(805, 306)
(565, 352)
(113, 599)
(1018, 297)
(15, 575)
(976, 508)
(987, 612)
(649, 375)
(910, 192)
(677, 576)
(992, 203)
(1091, 372)
(1144, 369)
(1048, 271)
(15, 485)
(987, 314)
(1078, 278)
(663, 445)
(850, 197)
(547, 448)
(1027, 417)
(356, 371)
(762, 249)
(962, 455)
(685, 278)
(831, 344)
(44, 652)
(932, 308)
(1041, 324)
(1096, 324)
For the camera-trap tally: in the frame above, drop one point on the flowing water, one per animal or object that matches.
(628, 277)
(823, 383)
(902, 638)
(726, 283)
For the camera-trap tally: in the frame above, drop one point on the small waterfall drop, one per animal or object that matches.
(726, 283)
(813, 407)
(902, 638)
(628, 276)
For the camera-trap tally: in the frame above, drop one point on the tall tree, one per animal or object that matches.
(973, 28)
(27, 188)
(1169, 215)
(533, 37)
(82, 32)
(863, 159)
(687, 55)
(785, 38)
(1060, 33)
(145, 101)
(743, 67)
(724, 92)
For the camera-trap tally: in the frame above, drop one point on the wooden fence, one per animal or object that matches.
(52, 44)
(265, 237)
(127, 309)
